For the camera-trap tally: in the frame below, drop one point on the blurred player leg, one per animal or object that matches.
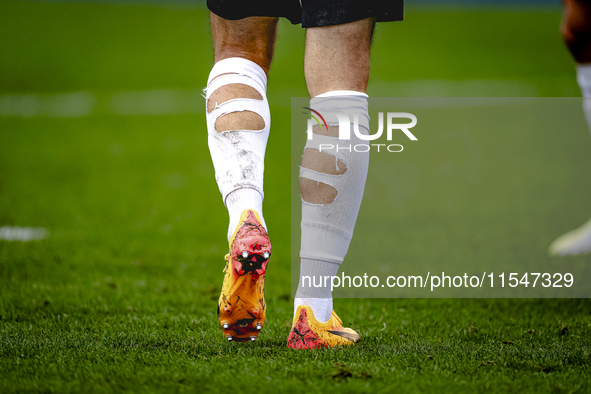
(576, 31)
(332, 181)
(238, 122)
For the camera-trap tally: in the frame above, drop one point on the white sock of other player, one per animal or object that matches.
(578, 241)
(238, 123)
(584, 78)
(332, 181)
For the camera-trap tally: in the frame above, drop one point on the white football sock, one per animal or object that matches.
(240, 200)
(327, 229)
(584, 80)
(314, 287)
(238, 155)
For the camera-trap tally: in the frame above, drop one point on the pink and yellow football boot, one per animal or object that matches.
(241, 307)
(308, 333)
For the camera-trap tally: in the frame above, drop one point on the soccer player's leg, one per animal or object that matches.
(576, 31)
(238, 122)
(332, 180)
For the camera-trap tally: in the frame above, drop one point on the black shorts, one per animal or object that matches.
(310, 13)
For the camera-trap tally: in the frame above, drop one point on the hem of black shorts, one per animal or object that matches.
(235, 17)
(350, 16)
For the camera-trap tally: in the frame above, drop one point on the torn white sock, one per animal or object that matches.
(327, 228)
(238, 155)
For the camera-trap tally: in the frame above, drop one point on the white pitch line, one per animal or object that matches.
(23, 234)
(157, 102)
(65, 105)
(182, 101)
(447, 88)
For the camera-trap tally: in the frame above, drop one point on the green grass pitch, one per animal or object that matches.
(122, 295)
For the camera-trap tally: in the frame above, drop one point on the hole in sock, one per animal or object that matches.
(243, 120)
(230, 92)
(322, 162)
(317, 192)
(333, 131)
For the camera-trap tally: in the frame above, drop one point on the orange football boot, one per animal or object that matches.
(308, 333)
(241, 307)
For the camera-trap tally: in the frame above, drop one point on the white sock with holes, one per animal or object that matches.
(238, 155)
(327, 229)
